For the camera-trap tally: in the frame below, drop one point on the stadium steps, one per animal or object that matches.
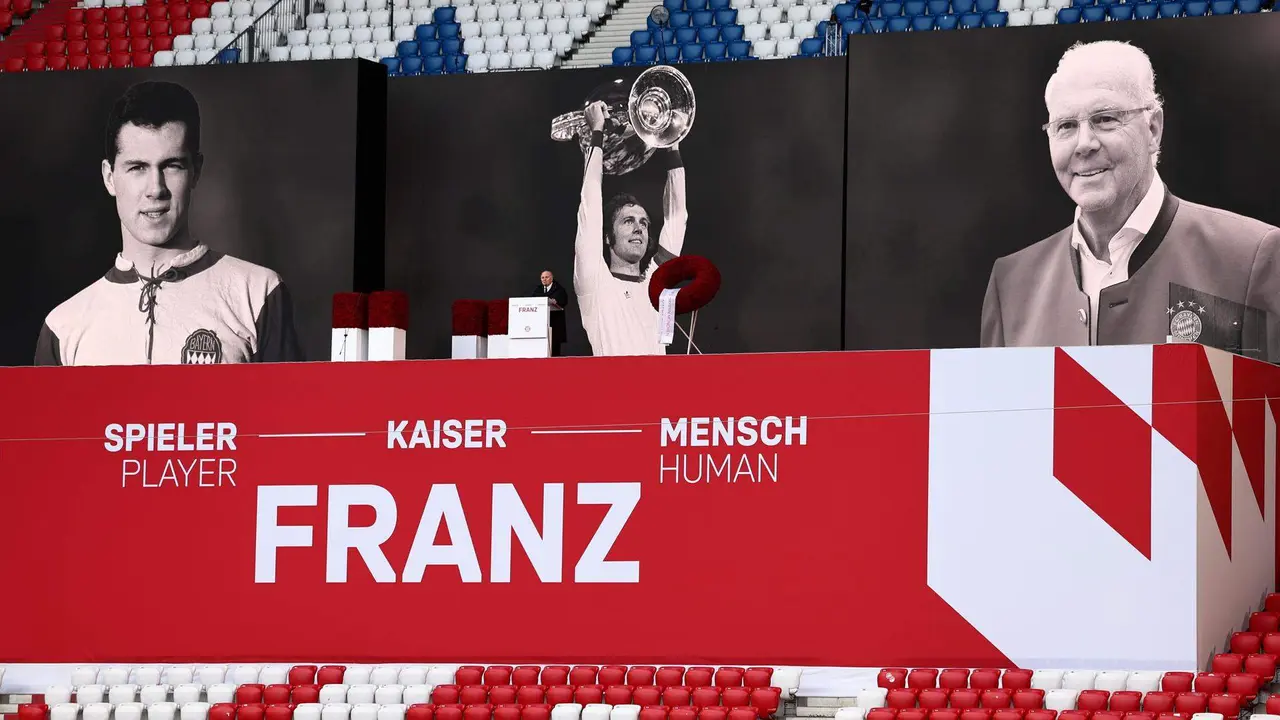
(613, 32)
(46, 14)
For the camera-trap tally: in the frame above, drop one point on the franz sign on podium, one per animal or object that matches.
(529, 327)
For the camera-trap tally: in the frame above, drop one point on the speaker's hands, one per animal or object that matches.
(595, 114)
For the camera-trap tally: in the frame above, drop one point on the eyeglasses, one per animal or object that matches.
(1103, 121)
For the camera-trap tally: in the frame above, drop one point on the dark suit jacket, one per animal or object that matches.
(1034, 296)
(561, 296)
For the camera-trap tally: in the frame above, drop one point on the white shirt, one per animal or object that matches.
(1097, 274)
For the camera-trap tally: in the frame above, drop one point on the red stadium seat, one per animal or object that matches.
(1074, 715)
(117, 29)
(278, 694)
(469, 675)
(1210, 683)
(954, 678)
(77, 47)
(1092, 700)
(612, 675)
(621, 695)
(252, 711)
(99, 61)
(702, 697)
(1190, 702)
(647, 695)
(196, 10)
(1246, 643)
(586, 675)
(558, 694)
(1264, 622)
(641, 675)
(669, 675)
(118, 45)
(506, 712)
(96, 31)
(964, 698)
(653, 712)
(55, 48)
(283, 711)
(329, 674)
(305, 694)
(750, 714)
(531, 694)
(1225, 704)
(678, 695)
(537, 711)
(683, 713)
(589, 695)
(35, 49)
(922, 678)
(994, 699)
(1107, 715)
(1173, 716)
(1028, 698)
(766, 701)
(76, 31)
(1041, 714)
(735, 697)
(56, 63)
(1177, 682)
(872, 714)
(6, 20)
(117, 14)
(757, 677)
(502, 694)
(31, 711)
(976, 714)
(21, 8)
(179, 26)
(55, 32)
(699, 676)
(497, 675)
(1271, 643)
(251, 693)
(75, 15)
(1126, 701)
(984, 679)
(1008, 714)
(913, 714)
(554, 675)
(899, 698)
(445, 694)
(890, 678)
(944, 714)
(934, 698)
(525, 675)
(1016, 679)
(1264, 666)
(1245, 685)
(1227, 663)
(1139, 716)
(36, 64)
(1158, 702)
(476, 695)
(222, 711)
(729, 676)
(713, 713)
(1273, 705)
(1272, 603)
(98, 47)
(478, 712)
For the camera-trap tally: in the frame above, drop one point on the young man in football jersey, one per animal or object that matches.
(614, 253)
(168, 298)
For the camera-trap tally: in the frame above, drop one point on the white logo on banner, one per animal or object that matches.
(667, 315)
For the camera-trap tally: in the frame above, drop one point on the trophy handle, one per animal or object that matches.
(568, 126)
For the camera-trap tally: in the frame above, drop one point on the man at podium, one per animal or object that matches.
(559, 301)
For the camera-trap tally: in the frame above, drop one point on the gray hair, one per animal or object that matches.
(1115, 64)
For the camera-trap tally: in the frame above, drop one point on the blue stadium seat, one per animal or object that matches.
(691, 52)
(844, 11)
(946, 22)
(622, 56)
(969, 21)
(422, 33)
(719, 52)
(1068, 16)
(1223, 7)
(732, 33)
(1146, 10)
(922, 23)
(427, 48)
(1081, 3)
(686, 35)
(456, 63)
(407, 48)
(913, 7)
(1094, 13)
(679, 19)
(1171, 9)
(650, 24)
(876, 25)
(229, 56)
(939, 7)
(695, 5)
(809, 47)
(995, 19)
(411, 65)
(667, 53)
(960, 7)
(452, 46)
(1249, 6)
(702, 18)
(646, 54)
(392, 65)
(899, 24)
(433, 65)
(673, 5)
(1120, 12)
(445, 31)
(714, 5)
(727, 17)
(639, 38)
(708, 34)
(739, 50)
(856, 26)
(985, 6)
(1196, 8)
(442, 15)
(890, 8)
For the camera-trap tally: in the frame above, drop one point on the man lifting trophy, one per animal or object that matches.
(614, 252)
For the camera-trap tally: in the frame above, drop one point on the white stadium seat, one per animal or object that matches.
(129, 711)
(238, 9)
(518, 44)
(339, 36)
(764, 49)
(199, 26)
(223, 40)
(57, 695)
(510, 11)
(596, 712)
(625, 712)
(596, 9)
(495, 45)
(422, 16)
(499, 61)
(364, 711)
(242, 23)
(557, 26)
(1078, 680)
(478, 62)
(522, 60)
(193, 711)
(392, 712)
(470, 46)
(279, 53)
(350, 6)
(335, 711)
(485, 13)
(1110, 680)
(368, 51)
(513, 27)
(419, 694)
(297, 37)
(96, 711)
(308, 711)
(539, 43)
(755, 31)
(333, 5)
(401, 16)
(155, 693)
(115, 676)
(185, 57)
(1043, 17)
(780, 30)
(121, 694)
(562, 43)
(144, 676)
(493, 28)
(337, 20)
(1061, 699)
(787, 679)
(530, 10)
(868, 698)
(770, 15)
(536, 26)
(90, 694)
(464, 14)
(441, 674)
(220, 9)
(362, 694)
(63, 711)
(377, 18)
(203, 42)
(575, 8)
(1207, 716)
(162, 711)
(1019, 18)
(1145, 681)
(579, 26)
(187, 692)
(1046, 679)
(804, 29)
(389, 694)
(403, 32)
(335, 692)
(345, 51)
(545, 59)
(204, 57)
(318, 37)
(381, 34)
(566, 711)
(468, 30)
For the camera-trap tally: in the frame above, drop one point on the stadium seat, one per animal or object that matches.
(965, 698)
(900, 698)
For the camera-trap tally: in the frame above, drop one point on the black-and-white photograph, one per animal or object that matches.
(171, 222)
(753, 185)
(1118, 169)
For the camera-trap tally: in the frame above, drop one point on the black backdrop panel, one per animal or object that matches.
(281, 142)
(480, 199)
(949, 168)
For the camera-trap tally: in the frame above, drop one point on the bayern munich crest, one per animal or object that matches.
(202, 348)
(1185, 326)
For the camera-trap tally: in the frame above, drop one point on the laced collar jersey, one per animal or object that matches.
(203, 307)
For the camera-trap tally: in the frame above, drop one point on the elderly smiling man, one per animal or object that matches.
(1104, 280)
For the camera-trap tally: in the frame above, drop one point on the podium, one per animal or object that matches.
(529, 327)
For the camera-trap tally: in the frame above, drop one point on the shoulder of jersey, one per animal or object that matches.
(252, 274)
(71, 310)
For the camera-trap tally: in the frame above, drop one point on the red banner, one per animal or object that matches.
(719, 509)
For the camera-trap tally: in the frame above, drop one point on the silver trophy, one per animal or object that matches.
(656, 113)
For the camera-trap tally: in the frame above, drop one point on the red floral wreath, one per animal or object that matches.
(703, 276)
